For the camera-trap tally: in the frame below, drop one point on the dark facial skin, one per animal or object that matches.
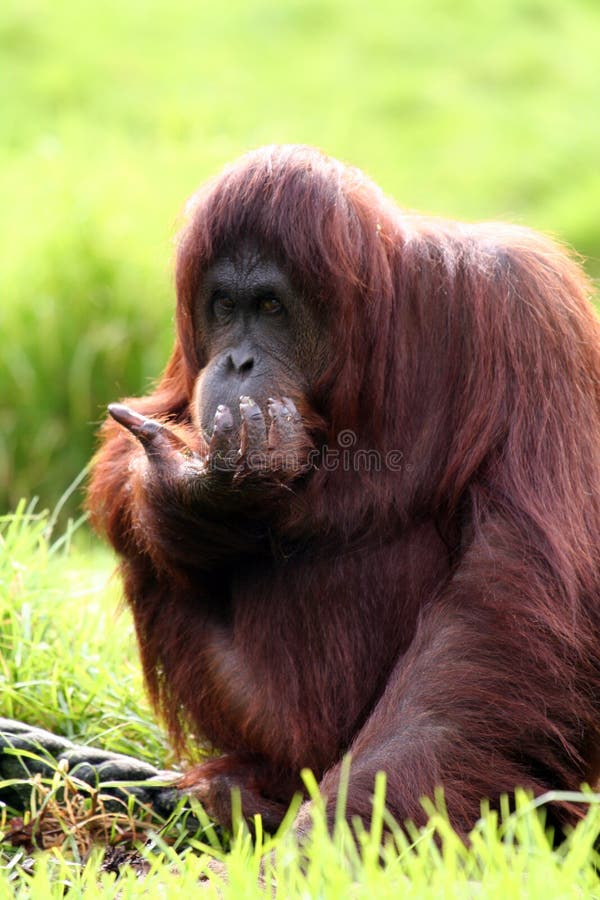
(256, 334)
(263, 349)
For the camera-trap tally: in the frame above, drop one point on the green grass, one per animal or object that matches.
(334, 869)
(67, 653)
(112, 113)
(68, 663)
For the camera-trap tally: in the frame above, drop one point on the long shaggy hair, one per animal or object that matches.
(472, 352)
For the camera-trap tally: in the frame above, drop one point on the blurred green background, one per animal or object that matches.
(111, 113)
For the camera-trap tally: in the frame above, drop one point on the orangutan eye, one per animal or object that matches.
(222, 306)
(270, 305)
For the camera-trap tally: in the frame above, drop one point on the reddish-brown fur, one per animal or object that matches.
(439, 619)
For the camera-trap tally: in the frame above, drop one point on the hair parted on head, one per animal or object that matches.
(418, 309)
